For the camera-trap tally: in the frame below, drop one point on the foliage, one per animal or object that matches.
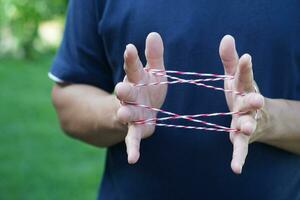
(21, 18)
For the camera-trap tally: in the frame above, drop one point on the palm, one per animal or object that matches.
(152, 96)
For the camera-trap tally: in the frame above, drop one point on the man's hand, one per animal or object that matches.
(241, 69)
(153, 96)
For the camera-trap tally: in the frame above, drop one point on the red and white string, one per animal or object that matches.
(204, 77)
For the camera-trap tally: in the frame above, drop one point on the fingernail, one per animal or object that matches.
(239, 170)
(250, 58)
(130, 159)
(125, 53)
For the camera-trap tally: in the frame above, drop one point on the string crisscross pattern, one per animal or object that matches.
(201, 81)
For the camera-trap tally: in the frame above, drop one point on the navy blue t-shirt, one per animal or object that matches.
(179, 163)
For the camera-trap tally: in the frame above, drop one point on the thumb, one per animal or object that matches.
(133, 140)
(228, 54)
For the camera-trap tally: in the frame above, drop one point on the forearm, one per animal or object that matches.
(89, 114)
(282, 129)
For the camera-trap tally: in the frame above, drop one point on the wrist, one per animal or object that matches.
(266, 124)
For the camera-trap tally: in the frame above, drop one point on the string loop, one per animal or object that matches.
(172, 79)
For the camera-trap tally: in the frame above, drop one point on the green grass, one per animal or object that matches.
(37, 161)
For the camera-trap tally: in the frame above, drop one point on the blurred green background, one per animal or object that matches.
(37, 161)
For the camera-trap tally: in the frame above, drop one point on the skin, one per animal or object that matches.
(265, 120)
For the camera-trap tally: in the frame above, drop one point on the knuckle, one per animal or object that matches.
(247, 128)
(118, 89)
(247, 124)
(247, 101)
(256, 101)
(124, 114)
(127, 92)
(123, 90)
(251, 97)
(120, 116)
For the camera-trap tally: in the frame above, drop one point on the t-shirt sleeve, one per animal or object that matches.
(81, 57)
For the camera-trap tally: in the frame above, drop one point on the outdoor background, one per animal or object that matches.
(37, 161)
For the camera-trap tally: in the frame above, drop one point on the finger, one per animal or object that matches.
(127, 114)
(250, 102)
(240, 151)
(228, 54)
(246, 124)
(132, 64)
(244, 75)
(126, 92)
(132, 141)
(154, 51)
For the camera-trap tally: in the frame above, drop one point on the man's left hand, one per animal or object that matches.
(250, 103)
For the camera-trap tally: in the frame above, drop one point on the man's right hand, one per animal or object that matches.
(153, 96)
